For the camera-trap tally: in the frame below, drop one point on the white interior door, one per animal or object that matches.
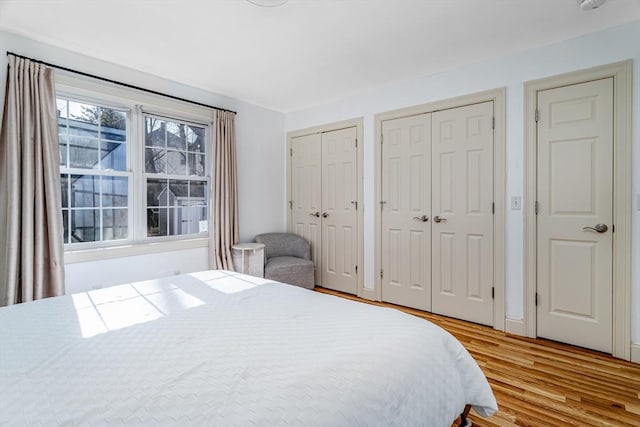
(306, 208)
(575, 211)
(462, 201)
(406, 206)
(339, 210)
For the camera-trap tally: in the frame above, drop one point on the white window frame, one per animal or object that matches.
(137, 104)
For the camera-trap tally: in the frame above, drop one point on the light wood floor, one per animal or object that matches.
(544, 383)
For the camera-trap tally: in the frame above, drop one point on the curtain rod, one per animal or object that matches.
(130, 86)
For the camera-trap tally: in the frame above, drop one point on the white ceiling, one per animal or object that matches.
(306, 52)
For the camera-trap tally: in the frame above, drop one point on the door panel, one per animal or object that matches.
(339, 214)
(406, 247)
(462, 245)
(306, 169)
(575, 188)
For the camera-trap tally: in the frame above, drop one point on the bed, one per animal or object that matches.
(226, 349)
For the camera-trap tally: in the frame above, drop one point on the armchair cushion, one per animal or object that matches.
(292, 270)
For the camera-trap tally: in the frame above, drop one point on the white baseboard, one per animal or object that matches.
(514, 326)
(635, 352)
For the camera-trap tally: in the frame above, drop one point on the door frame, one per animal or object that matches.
(622, 92)
(358, 123)
(499, 185)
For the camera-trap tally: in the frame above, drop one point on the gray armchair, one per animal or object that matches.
(288, 259)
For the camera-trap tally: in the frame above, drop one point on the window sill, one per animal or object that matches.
(132, 249)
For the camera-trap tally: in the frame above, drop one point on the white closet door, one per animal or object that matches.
(339, 214)
(462, 201)
(574, 222)
(406, 234)
(306, 169)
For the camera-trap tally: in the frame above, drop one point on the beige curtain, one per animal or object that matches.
(223, 199)
(31, 231)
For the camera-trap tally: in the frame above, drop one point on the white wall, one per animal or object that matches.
(84, 276)
(614, 44)
(261, 166)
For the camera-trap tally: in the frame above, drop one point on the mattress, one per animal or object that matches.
(225, 349)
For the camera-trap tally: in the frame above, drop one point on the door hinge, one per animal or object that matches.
(382, 203)
(493, 122)
(613, 228)
(290, 152)
(493, 292)
(536, 207)
(355, 204)
(356, 269)
(537, 115)
(356, 142)
(381, 138)
(536, 299)
(290, 204)
(493, 207)
(381, 274)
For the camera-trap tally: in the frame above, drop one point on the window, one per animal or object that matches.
(113, 150)
(176, 183)
(93, 168)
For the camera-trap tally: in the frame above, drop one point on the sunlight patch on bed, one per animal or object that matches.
(228, 282)
(118, 307)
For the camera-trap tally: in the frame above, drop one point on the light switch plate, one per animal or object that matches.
(516, 203)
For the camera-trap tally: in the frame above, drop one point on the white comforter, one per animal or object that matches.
(223, 349)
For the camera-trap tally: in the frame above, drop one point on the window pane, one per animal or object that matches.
(155, 160)
(157, 194)
(114, 224)
(63, 150)
(176, 163)
(121, 224)
(176, 137)
(86, 113)
(65, 224)
(115, 191)
(154, 132)
(195, 138)
(200, 214)
(113, 124)
(83, 152)
(113, 156)
(85, 225)
(189, 218)
(85, 191)
(64, 190)
(157, 222)
(196, 164)
(198, 192)
(172, 219)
